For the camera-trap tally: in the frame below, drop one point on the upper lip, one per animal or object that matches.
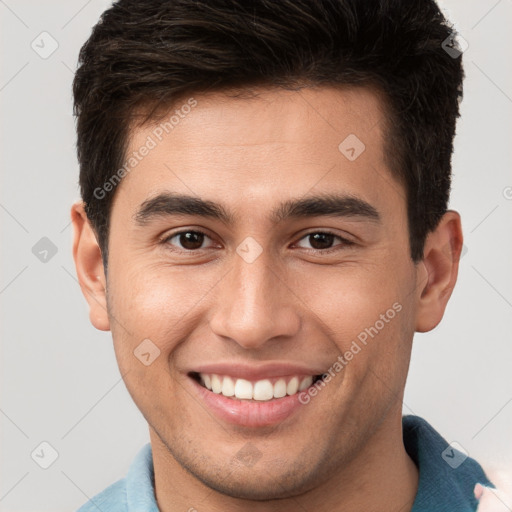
(258, 372)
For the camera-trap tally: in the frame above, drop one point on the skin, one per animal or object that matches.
(344, 449)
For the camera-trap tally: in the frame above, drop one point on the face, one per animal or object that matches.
(253, 287)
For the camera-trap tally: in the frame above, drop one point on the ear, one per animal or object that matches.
(437, 272)
(89, 267)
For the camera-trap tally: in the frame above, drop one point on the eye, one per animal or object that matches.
(190, 240)
(323, 240)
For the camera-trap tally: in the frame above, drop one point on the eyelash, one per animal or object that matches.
(344, 241)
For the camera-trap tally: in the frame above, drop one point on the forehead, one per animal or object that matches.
(269, 115)
(261, 147)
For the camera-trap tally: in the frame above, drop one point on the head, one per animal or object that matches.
(280, 122)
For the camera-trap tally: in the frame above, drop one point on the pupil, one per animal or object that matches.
(321, 240)
(191, 240)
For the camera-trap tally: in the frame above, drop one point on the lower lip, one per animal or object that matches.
(249, 414)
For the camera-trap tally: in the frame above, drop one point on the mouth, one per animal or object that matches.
(253, 396)
(264, 390)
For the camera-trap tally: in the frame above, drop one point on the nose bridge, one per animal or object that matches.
(254, 304)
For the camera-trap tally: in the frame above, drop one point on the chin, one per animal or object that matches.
(248, 484)
(259, 481)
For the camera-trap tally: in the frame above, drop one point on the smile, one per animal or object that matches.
(260, 390)
(253, 396)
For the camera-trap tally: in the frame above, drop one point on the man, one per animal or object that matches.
(264, 226)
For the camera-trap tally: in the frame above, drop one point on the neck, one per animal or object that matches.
(382, 477)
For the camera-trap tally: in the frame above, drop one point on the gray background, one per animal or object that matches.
(60, 381)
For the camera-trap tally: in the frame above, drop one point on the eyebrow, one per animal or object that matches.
(168, 203)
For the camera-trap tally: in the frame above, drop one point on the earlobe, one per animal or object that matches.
(437, 272)
(89, 267)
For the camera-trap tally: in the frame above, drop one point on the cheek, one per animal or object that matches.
(147, 329)
(349, 300)
(367, 314)
(156, 304)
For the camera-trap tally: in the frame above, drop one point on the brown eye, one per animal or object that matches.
(321, 240)
(324, 241)
(188, 240)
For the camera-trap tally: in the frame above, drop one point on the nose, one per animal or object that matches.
(254, 304)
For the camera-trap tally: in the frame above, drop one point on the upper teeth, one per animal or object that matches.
(259, 390)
